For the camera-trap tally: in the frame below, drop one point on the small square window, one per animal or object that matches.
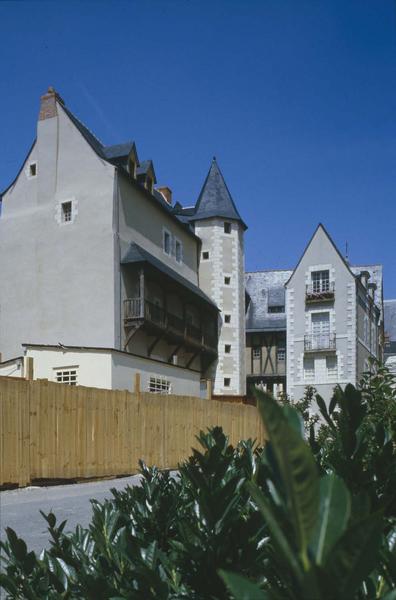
(205, 255)
(227, 348)
(167, 242)
(227, 280)
(227, 381)
(281, 354)
(33, 169)
(67, 212)
(227, 318)
(178, 251)
(227, 227)
(257, 352)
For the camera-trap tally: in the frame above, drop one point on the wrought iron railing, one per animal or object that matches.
(322, 289)
(319, 341)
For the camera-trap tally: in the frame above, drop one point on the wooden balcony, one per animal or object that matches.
(320, 342)
(157, 320)
(320, 291)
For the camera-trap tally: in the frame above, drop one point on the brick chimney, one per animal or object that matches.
(167, 194)
(48, 104)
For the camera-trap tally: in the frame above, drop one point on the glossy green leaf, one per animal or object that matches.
(241, 588)
(297, 469)
(355, 555)
(335, 508)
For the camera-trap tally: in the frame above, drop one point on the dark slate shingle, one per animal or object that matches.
(390, 319)
(262, 287)
(215, 199)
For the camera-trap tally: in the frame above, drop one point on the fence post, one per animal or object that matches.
(28, 367)
(136, 385)
(209, 389)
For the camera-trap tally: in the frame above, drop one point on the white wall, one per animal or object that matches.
(12, 368)
(94, 367)
(111, 370)
(124, 367)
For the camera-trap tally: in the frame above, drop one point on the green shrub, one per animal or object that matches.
(298, 519)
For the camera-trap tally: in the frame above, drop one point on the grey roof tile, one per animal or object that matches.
(262, 285)
(215, 199)
(118, 150)
(390, 319)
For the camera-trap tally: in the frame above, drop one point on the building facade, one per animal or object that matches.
(97, 258)
(334, 319)
(390, 334)
(265, 353)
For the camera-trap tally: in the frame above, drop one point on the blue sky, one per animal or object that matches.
(296, 99)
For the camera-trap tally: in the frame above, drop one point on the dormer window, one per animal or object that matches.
(149, 184)
(132, 168)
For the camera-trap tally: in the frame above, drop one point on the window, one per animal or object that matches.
(227, 381)
(320, 327)
(67, 211)
(257, 352)
(167, 242)
(149, 184)
(331, 367)
(205, 255)
(227, 318)
(33, 169)
(178, 251)
(309, 369)
(132, 168)
(227, 280)
(227, 348)
(67, 375)
(276, 309)
(159, 385)
(281, 354)
(227, 227)
(320, 281)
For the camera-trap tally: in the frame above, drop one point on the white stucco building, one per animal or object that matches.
(104, 276)
(334, 319)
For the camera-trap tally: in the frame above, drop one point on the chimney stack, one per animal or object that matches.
(166, 193)
(48, 104)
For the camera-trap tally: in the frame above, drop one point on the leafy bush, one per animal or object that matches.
(294, 520)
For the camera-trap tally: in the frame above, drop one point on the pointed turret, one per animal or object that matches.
(218, 224)
(215, 199)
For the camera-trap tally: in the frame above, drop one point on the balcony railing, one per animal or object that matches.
(137, 309)
(318, 342)
(320, 291)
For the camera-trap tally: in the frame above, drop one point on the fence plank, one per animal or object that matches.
(49, 430)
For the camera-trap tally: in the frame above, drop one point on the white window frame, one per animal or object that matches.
(227, 348)
(65, 220)
(309, 374)
(166, 232)
(281, 352)
(224, 382)
(159, 385)
(227, 322)
(66, 375)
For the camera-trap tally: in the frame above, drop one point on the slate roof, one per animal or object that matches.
(265, 288)
(118, 150)
(375, 277)
(215, 199)
(390, 319)
(137, 254)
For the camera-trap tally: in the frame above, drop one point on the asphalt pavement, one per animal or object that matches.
(20, 508)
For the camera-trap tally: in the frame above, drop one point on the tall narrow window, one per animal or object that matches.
(227, 227)
(167, 242)
(67, 212)
(256, 352)
(227, 381)
(227, 318)
(309, 369)
(33, 169)
(227, 280)
(320, 331)
(227, 348)
(178, 251)
(331, 367)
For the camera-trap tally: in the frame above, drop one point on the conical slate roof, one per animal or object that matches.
(215, 199)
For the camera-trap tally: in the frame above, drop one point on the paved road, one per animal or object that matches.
(19, 509)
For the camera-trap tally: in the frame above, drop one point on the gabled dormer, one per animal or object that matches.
(146, 175)
(132, 162)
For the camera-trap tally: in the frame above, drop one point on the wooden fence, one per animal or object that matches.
(54, 431)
